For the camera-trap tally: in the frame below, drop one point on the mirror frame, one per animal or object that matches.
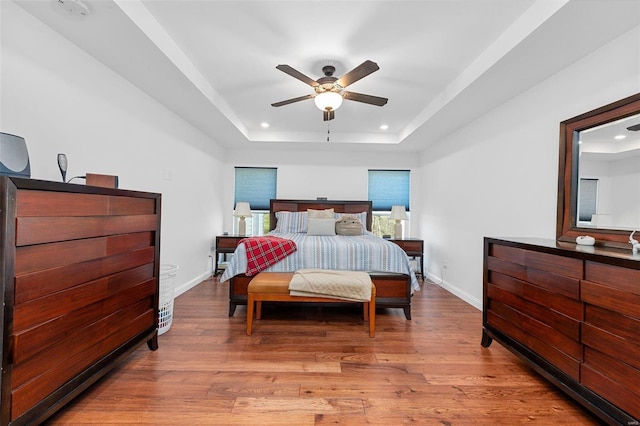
(566, 229)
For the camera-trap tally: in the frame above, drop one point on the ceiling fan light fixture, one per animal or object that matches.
(328, 101)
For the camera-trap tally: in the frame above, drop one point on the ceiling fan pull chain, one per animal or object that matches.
(328, 132)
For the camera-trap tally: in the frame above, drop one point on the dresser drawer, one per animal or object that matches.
(558, 302)
(623, 279)
(618, 382)
(613, 322)
(512, 254)
(558, 265)
(228, 242)
(539, 312)
(507, 268)
(413, 246)
(560, 332)
(561, 360)
(611, 298)
(560, 284)
(623, 349)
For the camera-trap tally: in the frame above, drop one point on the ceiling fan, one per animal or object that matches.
(329, 90)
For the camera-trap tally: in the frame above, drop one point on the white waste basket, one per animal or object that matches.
(167, 290)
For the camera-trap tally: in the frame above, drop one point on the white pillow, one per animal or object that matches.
(321, 214)
(321, 226)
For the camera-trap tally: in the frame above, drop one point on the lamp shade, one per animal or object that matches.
(243, 209)
(328, 101)
(398, 213)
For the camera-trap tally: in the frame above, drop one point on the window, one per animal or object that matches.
(257, 186)
(587, 199)
(387, 188)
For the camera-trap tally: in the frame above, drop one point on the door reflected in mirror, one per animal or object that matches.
(609, 175)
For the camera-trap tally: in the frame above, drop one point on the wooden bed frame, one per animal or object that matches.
(393, 290)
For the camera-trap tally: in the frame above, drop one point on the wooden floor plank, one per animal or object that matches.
(308, 366)
(278, 405)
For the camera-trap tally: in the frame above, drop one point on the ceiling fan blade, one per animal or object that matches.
(361, 71)
(290, 101)
(328, 115)
(297, 74)
(367, 99)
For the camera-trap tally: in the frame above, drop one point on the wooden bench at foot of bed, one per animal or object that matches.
(274, 287)
(393, 290)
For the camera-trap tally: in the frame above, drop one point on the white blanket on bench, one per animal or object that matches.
(345, 285)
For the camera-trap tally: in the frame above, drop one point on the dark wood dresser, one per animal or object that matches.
(573, 313)
(79, 273)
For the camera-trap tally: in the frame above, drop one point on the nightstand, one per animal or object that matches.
(414, 247)
(225, 244)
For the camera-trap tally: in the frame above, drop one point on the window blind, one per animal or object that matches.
(389, 188)
(255, 185)
(587, 199)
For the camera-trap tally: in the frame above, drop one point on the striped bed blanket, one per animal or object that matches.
(366, 253)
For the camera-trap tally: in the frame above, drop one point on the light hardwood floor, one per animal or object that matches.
(311, 366)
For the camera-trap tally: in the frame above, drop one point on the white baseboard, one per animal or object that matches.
(473, 301)
(184, 287)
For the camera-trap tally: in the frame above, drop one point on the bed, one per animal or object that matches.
(385, 262)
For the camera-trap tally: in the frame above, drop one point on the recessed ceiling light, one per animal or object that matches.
(618, 137)
(264, 125)
(384, 127)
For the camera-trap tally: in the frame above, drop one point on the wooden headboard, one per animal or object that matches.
(303, 205)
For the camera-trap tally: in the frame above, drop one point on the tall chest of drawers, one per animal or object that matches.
(573, 313)
(79, 289)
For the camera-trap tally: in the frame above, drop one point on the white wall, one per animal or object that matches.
(497, 176)
(61, 100)
(618, 188)
(331, 173)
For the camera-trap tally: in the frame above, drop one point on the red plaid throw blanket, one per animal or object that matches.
(263, 252)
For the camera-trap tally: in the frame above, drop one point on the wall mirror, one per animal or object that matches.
(599, 175)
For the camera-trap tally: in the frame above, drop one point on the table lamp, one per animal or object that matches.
(243, 210)
(398, 213)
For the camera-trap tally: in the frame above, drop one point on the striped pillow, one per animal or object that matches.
(291, 222)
